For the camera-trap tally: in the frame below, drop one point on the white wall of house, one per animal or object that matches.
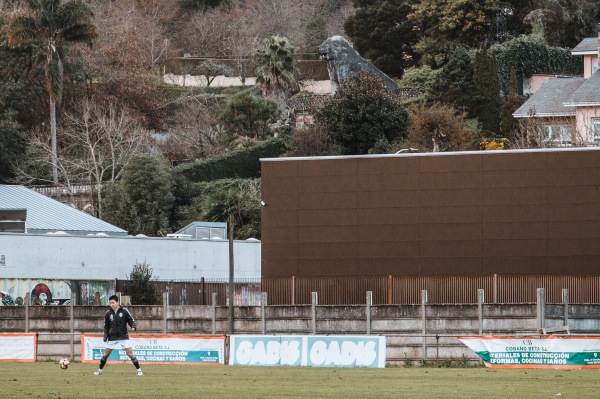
(106, 258)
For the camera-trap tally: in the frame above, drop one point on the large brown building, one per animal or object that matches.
(437, 214)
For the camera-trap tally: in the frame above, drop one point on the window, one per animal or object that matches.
(559, 134)
(211, 232)
(596, 130)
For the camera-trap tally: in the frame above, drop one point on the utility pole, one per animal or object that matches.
(231, 290)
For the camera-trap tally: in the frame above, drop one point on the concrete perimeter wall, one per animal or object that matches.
(411, 335)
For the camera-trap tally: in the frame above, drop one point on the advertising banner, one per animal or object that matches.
(311, 350)
(17, 347)
(159, 349)
(535, 352)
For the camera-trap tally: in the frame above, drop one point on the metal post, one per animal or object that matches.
(27, 300)
(480, 301)
(541, 311)
(202, 292)
(495, 288)
(565, 300)
(263, 304)
(315, 300)
(369, 303)
(293, 290)
(165, 310)
(72, 327)
(424, 300)
(390, 290)
(214, 313)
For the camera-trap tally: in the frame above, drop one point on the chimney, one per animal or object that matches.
(598, 32)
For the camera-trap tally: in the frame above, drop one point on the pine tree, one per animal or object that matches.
(487, 82)
(511, 103)
(454, 84)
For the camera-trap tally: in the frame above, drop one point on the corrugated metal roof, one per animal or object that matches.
(45, 214)
(550, 98)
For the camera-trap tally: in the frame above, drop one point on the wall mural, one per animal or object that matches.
(94, 292)
(43, 292)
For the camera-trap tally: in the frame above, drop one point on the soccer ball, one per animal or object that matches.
(64, 363)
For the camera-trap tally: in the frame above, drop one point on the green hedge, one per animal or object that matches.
(239, 163)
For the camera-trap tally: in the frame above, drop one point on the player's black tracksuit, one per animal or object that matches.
(115, 324)
(115, 329)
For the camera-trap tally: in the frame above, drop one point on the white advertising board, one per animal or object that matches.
(17, 347)
(574, 352)
(159, 349)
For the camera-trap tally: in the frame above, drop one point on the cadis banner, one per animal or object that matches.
(534, 352)
(308, 350)
(159, 349)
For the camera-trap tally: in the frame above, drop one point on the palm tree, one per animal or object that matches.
(276, 67)
(51, 26)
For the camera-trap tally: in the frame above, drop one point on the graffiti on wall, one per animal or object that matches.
(43, 292)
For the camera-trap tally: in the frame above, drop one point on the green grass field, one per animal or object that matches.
(47, 380)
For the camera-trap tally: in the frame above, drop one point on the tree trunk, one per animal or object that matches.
(53, 133)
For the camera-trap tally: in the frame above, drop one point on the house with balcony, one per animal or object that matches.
(567, 109)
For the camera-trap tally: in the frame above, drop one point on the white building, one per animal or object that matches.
(45, 241)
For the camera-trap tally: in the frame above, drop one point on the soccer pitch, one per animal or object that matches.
(47, 380)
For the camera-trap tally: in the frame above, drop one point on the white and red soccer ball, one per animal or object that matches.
(64, 363)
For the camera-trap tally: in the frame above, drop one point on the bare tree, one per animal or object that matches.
(133, 44)
(536, 132)
(98, 142)
(206, 32)
(195, 131)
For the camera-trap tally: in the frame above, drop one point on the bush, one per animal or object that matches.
(363, 112)
(439, 126)
(141, 287)
(249, 115)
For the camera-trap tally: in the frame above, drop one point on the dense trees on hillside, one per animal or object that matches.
(119, 122)
(383, 33)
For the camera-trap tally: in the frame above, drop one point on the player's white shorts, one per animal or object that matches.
(119, 344)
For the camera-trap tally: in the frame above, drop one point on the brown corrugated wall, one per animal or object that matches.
(512, 213)
(440, 289)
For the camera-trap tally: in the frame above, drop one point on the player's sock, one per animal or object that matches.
(102, 362)
(135, 363)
